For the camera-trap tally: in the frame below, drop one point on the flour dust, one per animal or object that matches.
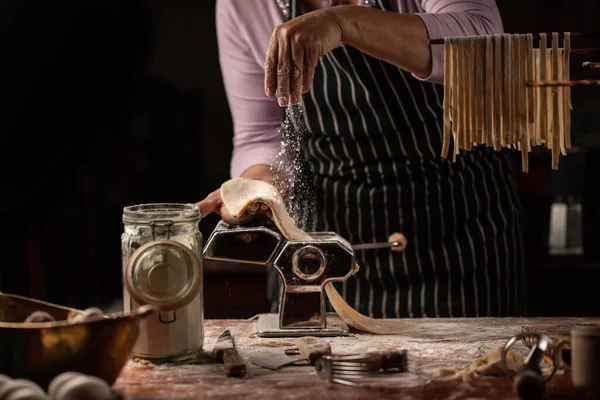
(293, 169)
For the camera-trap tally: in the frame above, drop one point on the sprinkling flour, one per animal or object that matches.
(294, 169)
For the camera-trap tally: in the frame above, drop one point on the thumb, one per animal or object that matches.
(210, 204)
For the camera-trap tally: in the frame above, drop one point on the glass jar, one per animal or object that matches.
(162, 265)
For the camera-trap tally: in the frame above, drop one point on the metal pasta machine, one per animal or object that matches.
(305, 267)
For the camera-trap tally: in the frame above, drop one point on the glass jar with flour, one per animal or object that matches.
(162, 266)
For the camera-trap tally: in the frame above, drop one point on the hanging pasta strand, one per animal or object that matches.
(523, 135)
(465, 108)
(514, 91)
(488, 103)
(456, 94)
(499, 89)
(560, 101)
(523, 112)
(480, 91)
(489, 93)
(567, 90)
(469, 126)
(448, 83)
(543, 68)
(506, 106)
(555, 103)
(530, 63)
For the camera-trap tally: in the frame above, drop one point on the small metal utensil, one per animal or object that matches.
(307, 351)
(225, 350)
(529, 380)
(345, 369)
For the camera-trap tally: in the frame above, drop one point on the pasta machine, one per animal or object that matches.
(305, 267)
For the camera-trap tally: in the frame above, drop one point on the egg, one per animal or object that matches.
(59, 380)
(39, 316)
(88, 313)
(84, 387)
(27, 393)
(10, 387)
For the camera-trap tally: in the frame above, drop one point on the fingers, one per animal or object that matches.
(210, 204)
(257, 209)
(283, 69)
(271, 66)
(310, 64)
(214, 203)
(253, 208)
(297, 66)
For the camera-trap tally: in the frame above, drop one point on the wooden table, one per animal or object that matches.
(440, 343)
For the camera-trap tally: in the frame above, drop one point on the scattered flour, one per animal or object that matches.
(294, 173)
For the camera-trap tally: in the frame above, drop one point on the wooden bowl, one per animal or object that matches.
(39, 351)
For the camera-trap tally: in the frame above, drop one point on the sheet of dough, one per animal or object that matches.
(239, 193)
(489, 364)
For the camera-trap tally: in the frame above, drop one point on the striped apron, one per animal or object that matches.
(373, 145)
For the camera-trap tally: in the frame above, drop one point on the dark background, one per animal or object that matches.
(111, 103)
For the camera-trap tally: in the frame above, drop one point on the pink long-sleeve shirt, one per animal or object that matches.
(244, 28)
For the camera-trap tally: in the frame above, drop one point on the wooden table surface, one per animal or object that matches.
(439, 343)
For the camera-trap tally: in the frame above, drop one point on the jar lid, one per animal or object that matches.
(161, 213)
(163, 273)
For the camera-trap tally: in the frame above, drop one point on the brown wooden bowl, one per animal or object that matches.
(39, 351)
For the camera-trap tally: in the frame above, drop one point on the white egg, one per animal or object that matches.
(3, 380)
(88, 314)
(39, 316)
(84, 388)
(11, 386)
(59, 380)
(27, 393)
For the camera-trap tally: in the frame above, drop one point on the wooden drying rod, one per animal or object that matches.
(563, 83)
(537, 37)
(586, 50)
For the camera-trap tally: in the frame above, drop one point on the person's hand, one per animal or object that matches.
(214, 203)
(294, 52)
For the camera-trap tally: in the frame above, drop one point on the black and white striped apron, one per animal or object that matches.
(374, 143)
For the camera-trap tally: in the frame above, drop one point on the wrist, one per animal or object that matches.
(346, 20)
